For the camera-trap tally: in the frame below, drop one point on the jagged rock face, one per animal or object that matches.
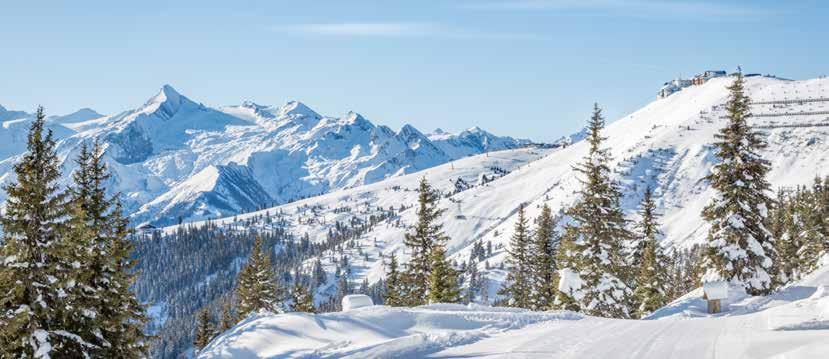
(175, 159)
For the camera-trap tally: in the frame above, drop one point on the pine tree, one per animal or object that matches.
(784, 227)
(813, 214)
(204, 330)
(443, 279)
(740, 248)
(543, 264)
(227, 320)
(303, 299)
(517, 286)
(652, 264)
(567, 259)
(647, 229)
(394, 285)
(426, 234)
(34, 272)
(256, 288)
(598, 231)
(107, 270)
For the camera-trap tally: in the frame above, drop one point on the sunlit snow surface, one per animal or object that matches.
(793, 323)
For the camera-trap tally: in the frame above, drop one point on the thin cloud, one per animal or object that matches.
(392, 30)
(635, 8)
(362, 29)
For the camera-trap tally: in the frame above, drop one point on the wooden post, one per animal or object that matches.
(714, 306)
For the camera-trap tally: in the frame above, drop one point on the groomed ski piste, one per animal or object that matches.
(792, 323)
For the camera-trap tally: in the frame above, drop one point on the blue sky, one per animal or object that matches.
(527, 68)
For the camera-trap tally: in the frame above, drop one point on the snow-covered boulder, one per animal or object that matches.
(354, 301)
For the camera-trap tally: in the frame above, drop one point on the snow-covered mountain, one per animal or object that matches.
(665, 145)
(174, 159)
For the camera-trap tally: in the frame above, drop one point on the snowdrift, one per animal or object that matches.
(375, 331)
(792, 323)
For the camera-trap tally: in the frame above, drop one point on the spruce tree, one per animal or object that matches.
(517, 286)
(651, 262)
(34, 273)
(567, 259)
(544, 245)
(740, 248)
(443, 279)
(785, 227)
(108, 276)
(425, 235)
(598, 230)
(813, 214)
(227, 320)
(204, 330)
(394, 293)
(302, 299)
(256, 287)
(647, 228)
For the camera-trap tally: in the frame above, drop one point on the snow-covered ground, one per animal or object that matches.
(792, 323)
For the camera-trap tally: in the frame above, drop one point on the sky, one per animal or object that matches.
(524, 68)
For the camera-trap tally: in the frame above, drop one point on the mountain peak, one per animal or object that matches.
(2, 109)
(168, 101)
(296, 109)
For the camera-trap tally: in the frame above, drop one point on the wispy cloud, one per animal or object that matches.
(362, 29)
(636, 8)
(392, 29)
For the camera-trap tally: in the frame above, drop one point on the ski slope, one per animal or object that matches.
(793, 323)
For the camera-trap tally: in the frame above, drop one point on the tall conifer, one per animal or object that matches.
(34, 273)
(517, 286)
(598, 230)
(256, 287)
(426, 234)
(740, 249)
(544, 245)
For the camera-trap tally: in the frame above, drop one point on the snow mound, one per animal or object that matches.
(354, 301)
(376, 332)
(792, 323)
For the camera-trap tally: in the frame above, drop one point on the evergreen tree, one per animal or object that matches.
(443, 279)
(34, 273)
(652, 264)
(740, 248)
(256, 288)
(567, 259)
(204, 330)
(426, 234)
(598, 230)
(106, 276)
(814, 227)
(784, 226)
(517, 286)
(227, 320)
(394, 285)
(303, 299)
(543, 264)
(647, 229)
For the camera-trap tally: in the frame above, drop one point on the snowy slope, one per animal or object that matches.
(176, 159)
(793, 323)
(666, 144)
